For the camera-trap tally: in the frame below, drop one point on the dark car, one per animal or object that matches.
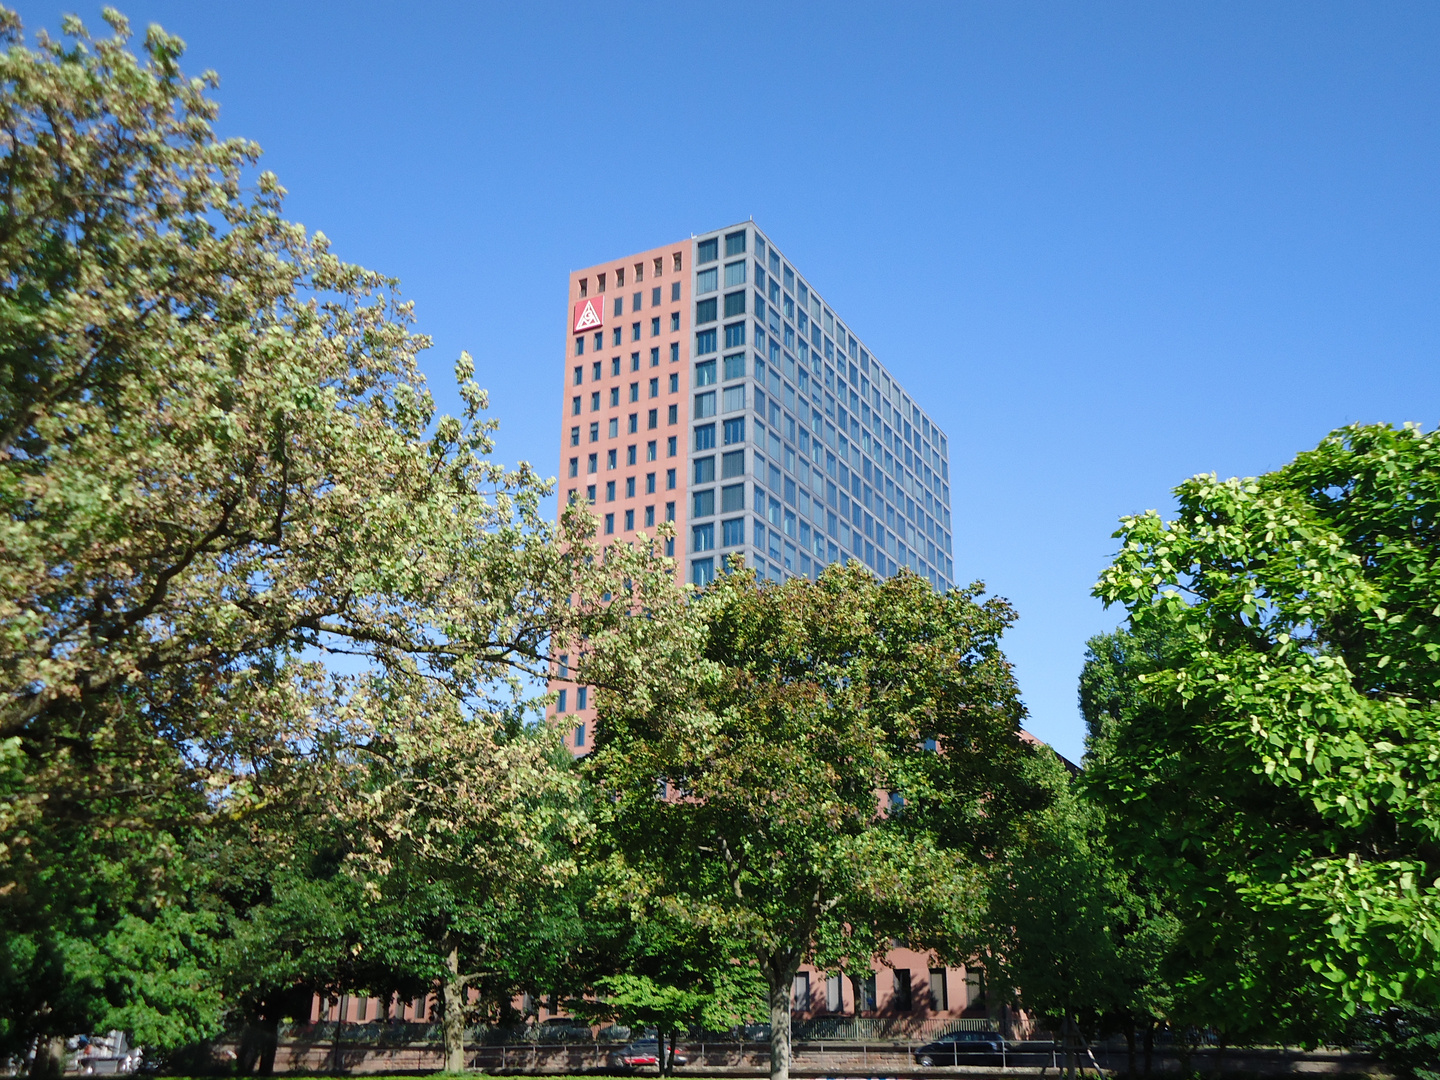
(963, 1048)
(643, 1052)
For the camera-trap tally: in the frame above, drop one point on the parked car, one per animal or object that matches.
(963, 1048)
(642, 1052)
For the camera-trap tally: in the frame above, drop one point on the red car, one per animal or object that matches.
(643, 1052)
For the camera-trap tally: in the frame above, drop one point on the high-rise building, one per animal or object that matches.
(708, 383)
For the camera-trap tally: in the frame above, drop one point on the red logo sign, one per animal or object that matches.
(589, 315)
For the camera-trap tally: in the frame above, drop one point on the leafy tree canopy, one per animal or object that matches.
(1274, 747)
(219, 466)
(782, 782)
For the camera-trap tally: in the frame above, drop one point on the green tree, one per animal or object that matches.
(777, 776)
(1066, 935)
(218, 466)
(1276, 768)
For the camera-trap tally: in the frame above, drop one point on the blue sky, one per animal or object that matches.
(1107, 246)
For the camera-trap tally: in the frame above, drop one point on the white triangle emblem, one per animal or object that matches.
(587, 317)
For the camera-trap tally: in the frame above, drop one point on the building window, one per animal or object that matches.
(939, 991)
(732, 464)
(705, 373)
(655, 293)
(574, 466)
(634, 391)
(702, 537)
(732, 532)
(670, 446)
(705, 340)
(800, 992)
(704, 469)
(734, 430)
(581, 697)
(675, 348)
(630, 487)
(734, 305)
(650, 450)
(615, 393)
(650, 510)
(617, 336)
(655, 326)
(734, 399)
(675, 258)
(652, 418)
(575, 436)
(614, 426)
(732, 498)
(866, 986)
(584, 287)
(562, 704)
(669, 480)
(706, 281)
(659, 265)
(575, 405)
(735, 367)
(579, 374)
(580, 345)
(650, 482)
(630, 455)
(674, 381)
(592, 463)
(704, 404)
(595, 401)
(702, 571)
(635, 331)
(595, 431)
(609, 492)
(735, 273)
(630, 515)
(674, 322)
(707, 251)
(902, 1000)
(599, 340)
(619, 278)
(705, 437)
(734, 336)
(609, 528)
(834, 994)
(580, 737)
(706, 311)
(634, 423)
(655, 387)
(655, 356)
(673, 416)
(735, 243)
(590, 493)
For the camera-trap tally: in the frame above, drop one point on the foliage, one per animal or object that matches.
(744, 781)
(1276, 771)
(1406, 1039)
(219, 467)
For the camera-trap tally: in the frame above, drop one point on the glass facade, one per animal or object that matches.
(837, 460)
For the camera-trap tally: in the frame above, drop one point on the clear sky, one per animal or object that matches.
(1106, 246)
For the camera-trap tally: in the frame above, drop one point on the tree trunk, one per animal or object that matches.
(49, 1057)
(780, 1028)
(454, 1015)
(339, 1026)
(1149, 1044)
(270, 1042)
